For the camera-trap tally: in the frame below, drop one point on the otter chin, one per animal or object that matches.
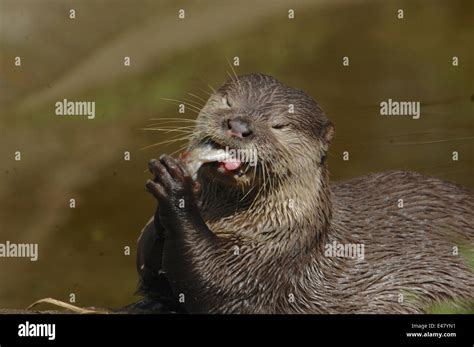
(264, 231)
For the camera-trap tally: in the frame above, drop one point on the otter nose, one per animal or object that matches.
(238, 127)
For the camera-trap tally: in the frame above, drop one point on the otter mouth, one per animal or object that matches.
(231, 166)
(228, 165)
(213, 155)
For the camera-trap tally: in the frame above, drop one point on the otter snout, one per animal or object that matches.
(238, 127)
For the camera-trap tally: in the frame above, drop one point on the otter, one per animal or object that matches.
(273, 238)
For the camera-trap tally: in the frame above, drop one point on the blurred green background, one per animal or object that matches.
(82, 249)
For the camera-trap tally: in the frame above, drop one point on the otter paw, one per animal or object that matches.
(170, 182)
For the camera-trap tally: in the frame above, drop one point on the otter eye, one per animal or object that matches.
(225, 101)
(279, 126)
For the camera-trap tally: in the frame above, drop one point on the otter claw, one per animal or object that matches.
(155, 189)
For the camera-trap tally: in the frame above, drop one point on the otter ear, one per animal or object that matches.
(327, 132)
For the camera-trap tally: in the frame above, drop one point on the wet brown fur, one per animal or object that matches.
(268, 254)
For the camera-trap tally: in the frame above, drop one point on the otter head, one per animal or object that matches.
(276, 131)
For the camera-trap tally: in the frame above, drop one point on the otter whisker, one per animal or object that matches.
(431, 142)
(246, 194)
(169, 130)
(254, 174)
(262, 188)
(256, 198)
(205, 82)
(180, 149)
(267, 178)
(165, 128)
(175, 118)
(236, 78)
(197, 97)
(171, 126)
(213, 90)
(173, 122)
(193, 102)
(204, 91)
(184, 138)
